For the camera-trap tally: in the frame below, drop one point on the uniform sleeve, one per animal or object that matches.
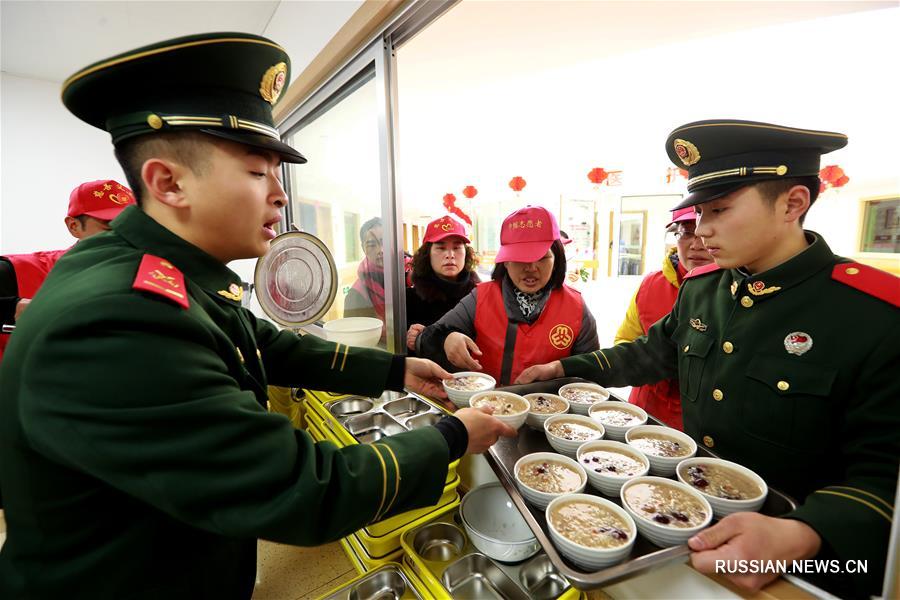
(153, 411)
(461, 318)
(313, 363)
(9, 292)
(854, 516)
(587, 340)
(647, 359)
(631, 328)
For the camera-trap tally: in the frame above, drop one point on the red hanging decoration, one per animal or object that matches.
(597, 175)
(450, 205)
(470, 191)
(517, 184)
(832, 176)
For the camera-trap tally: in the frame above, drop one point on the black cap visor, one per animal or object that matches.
(258, 140)
(710, 194)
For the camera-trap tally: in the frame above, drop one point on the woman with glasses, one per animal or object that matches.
(654, 300)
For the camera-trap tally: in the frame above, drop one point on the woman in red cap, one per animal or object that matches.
(525, 315)
(654, 300)
(443, 273)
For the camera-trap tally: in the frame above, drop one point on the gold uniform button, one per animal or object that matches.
(686, 348)
(154, 121)
(708, 441)
(728, 347)
(746, 301)
(852, 271)
(783, 385)
(718, 395)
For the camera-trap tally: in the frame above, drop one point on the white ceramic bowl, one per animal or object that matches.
(664, 465)
(609, 483)
(535, 420)
(723, 506)
(354, 331)
(570, 447)
(585, 556)
(495, 526)
(461, 397)
(582, 408)
(514, 420)
(617, 432)
(537, 497)
(663, 535)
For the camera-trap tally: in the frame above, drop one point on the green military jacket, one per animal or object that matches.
(136, 459)
(821, 423)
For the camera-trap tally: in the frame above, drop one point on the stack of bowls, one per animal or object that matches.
(587, 557)
(537, 497)
(461, 397)
(495, 526)
(354, 331)
(723, 506)
(515, 419)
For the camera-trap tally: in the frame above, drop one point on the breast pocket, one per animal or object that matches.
(789, 403)
(693, 349)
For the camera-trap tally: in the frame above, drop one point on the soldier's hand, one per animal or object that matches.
(425, 377)
(483, 428)
(752, 536)
(543, 372)
(460, 350)
(21, 305)
(414, 330)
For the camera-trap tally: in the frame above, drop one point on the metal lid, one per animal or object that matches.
(296, 281)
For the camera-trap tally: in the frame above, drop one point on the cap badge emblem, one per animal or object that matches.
(698, 325)
(446, 226)
(687, 152)
(798, 342)
(561, 336)
(273, 82)
(119, 198)
(758, 288)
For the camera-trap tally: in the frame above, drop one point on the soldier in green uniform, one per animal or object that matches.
(136, 459)
(786, 355)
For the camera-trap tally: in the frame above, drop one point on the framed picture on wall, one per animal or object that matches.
(880, 230)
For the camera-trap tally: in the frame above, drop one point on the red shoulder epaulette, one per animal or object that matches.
(158, 276)
(702, 270)
(870, 280)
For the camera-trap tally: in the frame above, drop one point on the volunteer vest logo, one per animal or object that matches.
(273, 82)
(561, 336)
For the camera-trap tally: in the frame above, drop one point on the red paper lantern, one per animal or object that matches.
(470, 191)
(517, 184)
(597, 175)
(449, 200)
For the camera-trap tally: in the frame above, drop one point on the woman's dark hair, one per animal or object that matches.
(557, 278)
(421, 265)
(370, 224)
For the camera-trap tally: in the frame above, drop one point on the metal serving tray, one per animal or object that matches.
(442, 548)
(502, 457)
(385, 583)
(371, 419)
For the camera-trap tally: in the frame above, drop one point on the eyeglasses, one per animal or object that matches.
(683, 235)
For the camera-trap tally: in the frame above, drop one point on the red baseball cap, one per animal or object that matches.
(445, 227)
(103, 199)
(527, 234)
(683, 214)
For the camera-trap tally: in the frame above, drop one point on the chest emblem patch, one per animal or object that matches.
(562, 336)
(798, 342)
(758, 288)
(698, 324)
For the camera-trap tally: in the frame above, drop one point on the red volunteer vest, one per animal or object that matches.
(549, 338)
(31, 271)
(654, 300)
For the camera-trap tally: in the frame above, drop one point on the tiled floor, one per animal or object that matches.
(291, 573)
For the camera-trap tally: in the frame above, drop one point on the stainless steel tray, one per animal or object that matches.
(387, 582)
(502, 457)
(443, 548)
(371, 419)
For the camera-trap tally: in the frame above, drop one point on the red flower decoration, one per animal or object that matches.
(832, 176)
(470, 191)
(450, 205)
(517, 184)
(597, 175)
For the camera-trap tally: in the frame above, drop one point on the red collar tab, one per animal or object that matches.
(158, 276)
(702, 270)
(870, 280)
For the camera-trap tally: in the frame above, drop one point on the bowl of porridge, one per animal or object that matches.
(666, 512)
(466, 383)
(510, 408)
(494, 524)
(617, 418)
(566, 433)
(729, 487)
(592, 532)
(582, 396)
(544, 406)
(542, 476)
(664, 446)
(610, 464)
